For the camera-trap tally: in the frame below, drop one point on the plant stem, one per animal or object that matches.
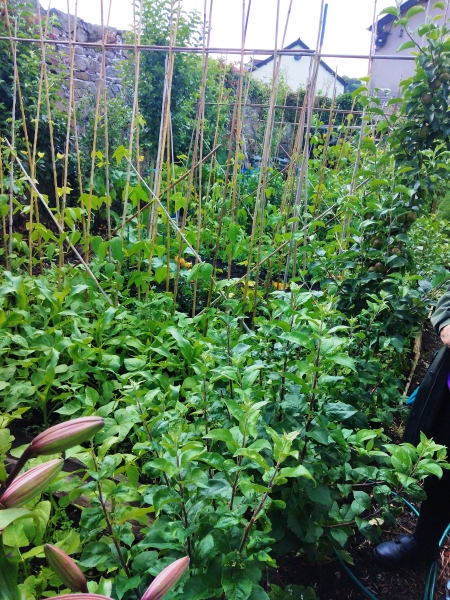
(109, 524)
(258, 509)
(26, 455)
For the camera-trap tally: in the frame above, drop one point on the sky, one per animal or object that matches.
(346, 29)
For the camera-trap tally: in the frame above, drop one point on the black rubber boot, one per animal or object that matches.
(403, 550)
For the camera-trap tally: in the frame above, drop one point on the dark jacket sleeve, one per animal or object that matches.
(441, 316)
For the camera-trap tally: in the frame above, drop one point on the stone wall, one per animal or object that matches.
(88, 61)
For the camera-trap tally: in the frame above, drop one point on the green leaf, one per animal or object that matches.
(376, 110)
(440, 5)
(430, 467)
(180, 201)
(205, 547)
(339, 536)
(254, 456)
(8, 515)
(397, 342)
(339, 411)
(344, 360)
(135, 364)
(237, 587)
(258, 593)
(361, 502)
(224, 435)
(390, 10)
(368, 144)
(200, 587)
(133, 475)
(217, 487)
(407, 45)
(162, 464)
(359, 91)
(160, 274)
(116, 246)
(194, 273)
(164, 496)
(211, 458)
(123, 584)
(233, 232)
(185, 346)
(382, 125)
(227, 373)
(206, 270)
(120, 153)
(250, 375)
(104, 587)
(298, 471)
(94, 554)
(292, 592)
(236, 410)
(8, 574)
(390, 103)
(297, 338)
(415, 10)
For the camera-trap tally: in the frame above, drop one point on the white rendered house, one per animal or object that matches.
(295, 69)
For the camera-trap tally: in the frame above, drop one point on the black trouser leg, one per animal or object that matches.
(435, 510)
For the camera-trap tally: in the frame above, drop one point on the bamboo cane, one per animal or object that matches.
(325, 150)
(105, 113)
(196, 150)
(202, 117)
(68, 130)
(49, 112)
(13, 153)
(2, 192)
(33, 200)
(311, 92)
(13, 45)
(165, 120)
(239, 124)
(58, 226)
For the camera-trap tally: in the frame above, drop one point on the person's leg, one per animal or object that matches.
(435, 510)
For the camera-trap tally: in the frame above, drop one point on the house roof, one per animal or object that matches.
(386, 19)
(298, 42)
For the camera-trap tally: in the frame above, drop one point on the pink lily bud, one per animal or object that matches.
(81, 597)
(166, 579)
(66, 569)
(65, 435)
(30, 484)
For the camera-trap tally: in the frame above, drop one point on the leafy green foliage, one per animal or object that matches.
(239, 446)
(264, 422)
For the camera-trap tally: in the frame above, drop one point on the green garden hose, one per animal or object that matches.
(430, 583)
(367, 592)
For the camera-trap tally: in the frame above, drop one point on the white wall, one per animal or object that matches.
(387, 73)
(296, 74)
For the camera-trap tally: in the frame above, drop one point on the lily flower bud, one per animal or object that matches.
(66, 569)
(81, 597)
(30, 484)
(166, 579)
(65, 435)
